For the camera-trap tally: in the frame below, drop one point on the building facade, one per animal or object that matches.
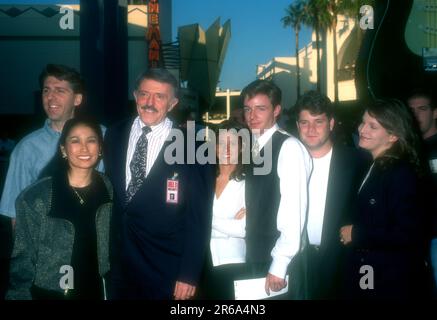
(283, 70)
(32, 36)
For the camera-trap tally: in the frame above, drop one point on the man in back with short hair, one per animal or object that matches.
(424, 108)
(62, 92)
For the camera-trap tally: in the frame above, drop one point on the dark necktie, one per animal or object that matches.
(138, 165)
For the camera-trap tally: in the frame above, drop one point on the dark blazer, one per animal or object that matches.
(44, 239)
(156, 243)
(388, 234)
(345, 173)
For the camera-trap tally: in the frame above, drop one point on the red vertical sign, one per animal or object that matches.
(153, 34)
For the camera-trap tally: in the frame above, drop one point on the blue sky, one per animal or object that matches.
(39, 1)
(257, 34)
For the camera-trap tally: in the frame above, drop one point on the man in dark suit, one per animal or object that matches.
(162, 208)
(333, 186)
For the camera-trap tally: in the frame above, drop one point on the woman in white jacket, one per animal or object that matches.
(227, 246)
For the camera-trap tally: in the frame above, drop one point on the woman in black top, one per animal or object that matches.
(62, 232)
(387, 237)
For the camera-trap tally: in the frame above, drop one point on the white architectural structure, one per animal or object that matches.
(228, 94)
(283, 71)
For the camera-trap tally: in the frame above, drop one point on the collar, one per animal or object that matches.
(48, 128)
(63, 195)
(265, 137)
(165, 124)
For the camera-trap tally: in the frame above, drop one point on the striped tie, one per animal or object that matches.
(255, 149)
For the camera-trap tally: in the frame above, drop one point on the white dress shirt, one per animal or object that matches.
(317, 197)
(156, 139)
(294, 170)
(227, 235)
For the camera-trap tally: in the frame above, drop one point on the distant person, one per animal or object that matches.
(276, 191)
(237, 115)
(387, 234)
(62, 93)
(162, 210)
(424, 107)
(61, 248)
(285, 121)
(333, 186)
(227, 246)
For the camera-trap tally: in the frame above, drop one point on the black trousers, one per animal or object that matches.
(217, 282)
(6, 243)
(315, 285)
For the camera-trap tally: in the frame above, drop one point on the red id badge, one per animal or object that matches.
(172, 190)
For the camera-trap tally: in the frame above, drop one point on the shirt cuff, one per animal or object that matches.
(10, 214)
(279, 267)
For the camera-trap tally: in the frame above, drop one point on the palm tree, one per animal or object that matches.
(334, 10)
(316, 16)
(294, 18)
(350, 8)
(323, 15)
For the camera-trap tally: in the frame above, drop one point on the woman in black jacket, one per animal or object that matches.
(61, 248)
(387, 237)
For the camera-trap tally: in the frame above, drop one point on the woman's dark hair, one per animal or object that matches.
(85, 121)
(238, 173)
(397, 119)
(58, 163)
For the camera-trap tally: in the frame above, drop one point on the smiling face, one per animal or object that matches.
(374, 137)
(82, 148)
(154, 100)
(59, 101)
(228, 148)
(315, 132)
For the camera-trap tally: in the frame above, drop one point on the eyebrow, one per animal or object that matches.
(257, 106)
(146, 91)
(57, 87)
(93, 136)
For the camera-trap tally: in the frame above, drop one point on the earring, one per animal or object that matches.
(64, 156)
(100, 154)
